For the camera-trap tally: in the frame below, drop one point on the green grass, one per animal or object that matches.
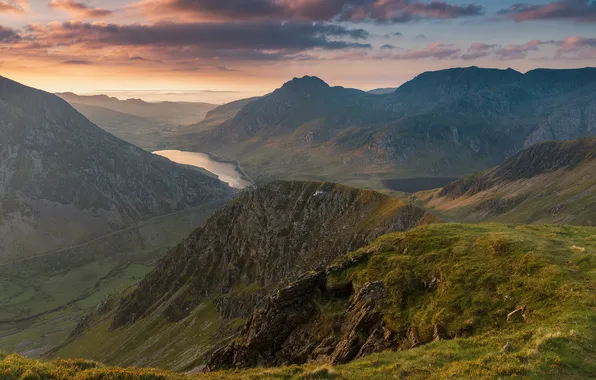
(42, 299)
(466, 278)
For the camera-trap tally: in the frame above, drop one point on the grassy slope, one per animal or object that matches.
(562, 197)
(142, 343)
(45, 297)
(485, 271)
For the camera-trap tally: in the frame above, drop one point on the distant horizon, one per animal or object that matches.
(224, 97)
(253, 47)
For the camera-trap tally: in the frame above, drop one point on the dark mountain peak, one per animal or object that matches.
(305, 84)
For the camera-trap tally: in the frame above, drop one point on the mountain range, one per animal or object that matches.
(143, 124)
(117, 255)
(443, 124)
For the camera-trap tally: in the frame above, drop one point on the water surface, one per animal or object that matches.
(226, 171)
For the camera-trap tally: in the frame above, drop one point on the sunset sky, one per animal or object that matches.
(220, 50)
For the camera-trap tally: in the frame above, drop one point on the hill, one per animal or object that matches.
(440, 124)
(170, 113)
(65, 181)
(143, 132)
(211, 281)
(551, 182)
(436, 301)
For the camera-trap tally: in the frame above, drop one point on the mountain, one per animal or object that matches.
(179, 137)
(382, 91)
(64, 181)
(226, 112)
(439, 301)
(440, 124)
(170, 113)
(142, 132)
(550, 182)
(146, 125)
(210, 283)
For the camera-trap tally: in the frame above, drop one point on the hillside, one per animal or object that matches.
(211, 281)
(170, 113)
(64, 181)
(435, 301)
(552, 182)
(440, 124)
(142, 132)
(82, 214)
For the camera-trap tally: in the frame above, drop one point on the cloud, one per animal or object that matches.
(14, 6)
(181, 45)
(433, 51)
(388, 47)
(224, 68)
(421, 37)
(77, 62)
(576, 47)
(384, 11)
(139, 58)
(79, 9)
(394, 34)
(572, 10)
(520, 51)
(8, 35)
(478, 50)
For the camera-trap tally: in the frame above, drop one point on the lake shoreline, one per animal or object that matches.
(229, 171)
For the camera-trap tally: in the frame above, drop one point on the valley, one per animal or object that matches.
(427, 231)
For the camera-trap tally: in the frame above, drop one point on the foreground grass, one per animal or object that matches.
(484, 272)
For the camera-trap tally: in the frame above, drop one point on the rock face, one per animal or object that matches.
(292, 327)
(264, 238)
(444, 123)
(63, 180)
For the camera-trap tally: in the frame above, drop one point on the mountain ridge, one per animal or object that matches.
(550, 182)
(445, 123)
(55, 159)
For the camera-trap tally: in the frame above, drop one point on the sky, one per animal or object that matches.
(221, 50)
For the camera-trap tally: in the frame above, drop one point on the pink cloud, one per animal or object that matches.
(79, 9)
(14, 6)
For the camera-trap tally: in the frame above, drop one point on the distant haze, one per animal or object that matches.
(194, 96)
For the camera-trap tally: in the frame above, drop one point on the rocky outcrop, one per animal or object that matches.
(293, 328)
(264, 238)
(63, 180)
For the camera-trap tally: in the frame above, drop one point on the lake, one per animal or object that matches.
(227, 172)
